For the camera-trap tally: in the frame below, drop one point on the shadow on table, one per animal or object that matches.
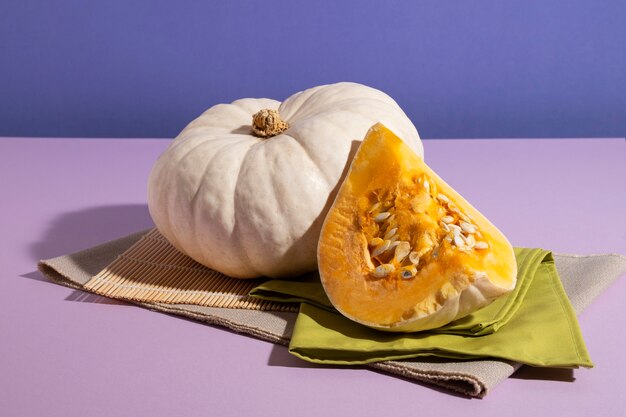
(76, 295)
(86, 297)
(76, 230)
(280, 356)
(545, 374)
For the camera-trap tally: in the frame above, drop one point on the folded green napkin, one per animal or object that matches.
(541, 327)
(309, 289)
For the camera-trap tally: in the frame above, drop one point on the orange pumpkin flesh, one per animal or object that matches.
(400, 250)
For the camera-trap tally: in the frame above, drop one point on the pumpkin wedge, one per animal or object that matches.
(401, 251)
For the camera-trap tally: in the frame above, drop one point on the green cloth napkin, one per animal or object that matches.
(541, 327)
(308, 289)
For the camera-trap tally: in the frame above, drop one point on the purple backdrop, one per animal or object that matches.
(144, 68)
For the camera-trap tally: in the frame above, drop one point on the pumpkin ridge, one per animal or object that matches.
(315, 92)
(237, 222)
(194, 222)
(337, 105)
(291, 118)
(194, 201)
(156, 208)
(329, 115)
(211, 117)
(306, 151)
(170, 178)
(249, 106)
(208, 166)
(261, 147)
(214, 117)
(281, 209)
(321, 161)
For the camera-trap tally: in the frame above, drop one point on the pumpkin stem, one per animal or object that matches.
(267, 123)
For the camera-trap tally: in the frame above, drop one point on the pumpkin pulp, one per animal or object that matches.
(399, 244)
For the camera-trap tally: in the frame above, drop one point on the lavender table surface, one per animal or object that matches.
(67, 353)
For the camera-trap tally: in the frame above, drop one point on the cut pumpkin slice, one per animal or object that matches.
(401, 251)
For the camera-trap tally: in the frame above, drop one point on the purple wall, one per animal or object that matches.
(145, 68)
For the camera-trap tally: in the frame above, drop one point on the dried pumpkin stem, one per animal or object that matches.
(267, 123)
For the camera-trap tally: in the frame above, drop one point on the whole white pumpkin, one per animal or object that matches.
(251, 206)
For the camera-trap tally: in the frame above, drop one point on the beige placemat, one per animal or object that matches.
(106, 268)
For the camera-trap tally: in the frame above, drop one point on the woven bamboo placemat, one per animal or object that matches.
(152, 270)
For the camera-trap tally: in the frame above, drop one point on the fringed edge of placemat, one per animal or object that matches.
(152, 270)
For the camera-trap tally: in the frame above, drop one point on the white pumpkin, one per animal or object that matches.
(251, 206)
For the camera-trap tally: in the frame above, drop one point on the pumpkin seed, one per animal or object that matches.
(443, 198)
(408, 272)
(444, 226)
(381, 248)
(368, 259)
(470, 241)
(375, 207)
(376, 241)
(426, 186)
(481, 245)
(455, 229)
(467, 227)
(447, 219)
(402, 250)
(383, 270)
(414, 258)
(380, 217)
(458, 240)
(465, 217)
(390, 233)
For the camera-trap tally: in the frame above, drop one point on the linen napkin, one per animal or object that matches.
(584, 278)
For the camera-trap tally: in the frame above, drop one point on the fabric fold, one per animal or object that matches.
(489, 319)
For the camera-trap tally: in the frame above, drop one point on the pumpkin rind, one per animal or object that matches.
(390, 193)
(248, 206)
